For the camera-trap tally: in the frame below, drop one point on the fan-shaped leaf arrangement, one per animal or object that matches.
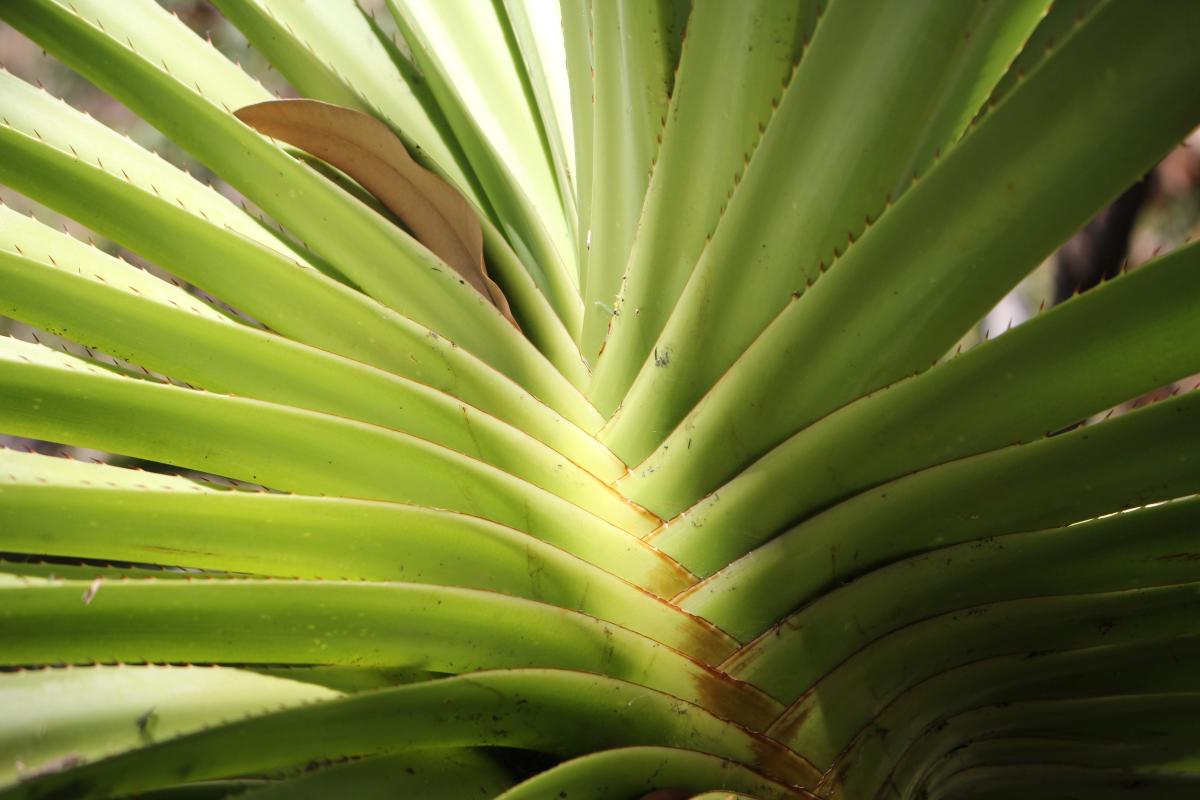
(590, 369)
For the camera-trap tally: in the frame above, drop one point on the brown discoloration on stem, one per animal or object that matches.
(734, 700)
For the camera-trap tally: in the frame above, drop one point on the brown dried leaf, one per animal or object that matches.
(366, 149)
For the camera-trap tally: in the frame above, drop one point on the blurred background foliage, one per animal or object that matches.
(1154, 217)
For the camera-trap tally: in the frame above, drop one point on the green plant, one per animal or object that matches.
(732, 256)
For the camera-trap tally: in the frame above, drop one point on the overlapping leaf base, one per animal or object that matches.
(705, 523)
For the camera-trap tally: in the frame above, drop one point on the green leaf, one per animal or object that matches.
(1062, 18)
(1055, 481)
(358, 67)
(478, 87)
(940, 257)
(58, 398)
(378, 256)
(48, 121)
(734, 65)
(1096, 784)
(536, 25)
(577, 44)
(568, 713)
(637, 771)
(862, 105)
(55, 718)
(823, 721)
(349, 680)
(332, 51)
(176, 335)
(635, 50)
(1151, 679)
(1135, 549)
(90, 572)
(202, 247)
(444, 774)
(1155, 740)
(1078, 359)
(436, 628)
(51, 506)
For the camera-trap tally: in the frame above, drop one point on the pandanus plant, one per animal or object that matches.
(587, 398)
